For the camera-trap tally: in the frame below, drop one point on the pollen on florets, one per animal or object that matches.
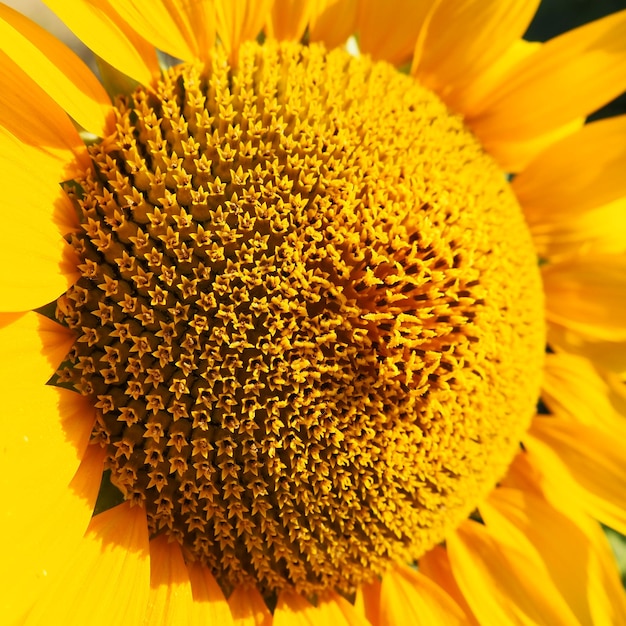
(307, 303)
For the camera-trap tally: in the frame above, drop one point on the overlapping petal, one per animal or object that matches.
(209, 604)
(170, 600)
(333, 21)
(436, 565)
(97, 24)
(186, 30)
(558, 194)
(585, 294)
(106, 577)
(385, 37)
(463, 40)
(605, 591)
(38, 551)
(248, 607)
(574, 389)
(504, 581)
(288, 19)
(568, 77)
(586, 461)
(409, 597)
(240, 20)
(564, 549)
(56, 69)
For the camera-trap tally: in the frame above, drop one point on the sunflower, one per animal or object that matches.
(313, 312)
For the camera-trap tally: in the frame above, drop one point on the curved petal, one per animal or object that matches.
(56, 69)
(34, 118)
(589, 462)
(585, 294)
(170, 590)
(601, 230)
(336, 610)
(209, 604)
(388, 31)
(367, 601)
(38, 551)
(293, 610)
(464, 39)
(333, 21)
(240, 20)
(409, 597)
(186, 30)
(514, 156)
(106, 578)
(582, 172)
(516, 517)
(35, 215)
(288, 19)
(568, 77)
(574, 389)
(605, 590)
(96, 24)
(31, 348)
(608, 354)
(248, 607)
(503, 582)
(43, 426)
(436, 565)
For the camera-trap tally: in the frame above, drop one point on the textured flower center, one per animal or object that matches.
(309, 315)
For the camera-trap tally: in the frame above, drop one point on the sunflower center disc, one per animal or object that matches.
(309, 315)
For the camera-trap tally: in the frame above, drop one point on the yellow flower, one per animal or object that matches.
(303, 307)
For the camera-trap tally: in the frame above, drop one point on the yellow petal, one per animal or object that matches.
(409, 597)
(389, 30)
(209, 604)
(580, 173)
(288, 19)
(240, 20)
(38, 551)
(103, 31)
(504, 583)
(608, 354)
(333, 21)
(293, 610)
(518, 517)
(589, 462)
(336, 610)
(514, 156)
(170, 590)
(574, 389)
(435, 564)
(36, 214)
(367, 601)
(28, 113)
(248, 607)
(31, 348)
(586, 294)
(56, 69)
(43, 426)
(464, 39)
(106, 579)
(605, 590)
(186, 30)
(595, 231)
(568, 77)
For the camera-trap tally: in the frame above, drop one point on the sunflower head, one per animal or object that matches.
(285, 325)
(307, 298)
